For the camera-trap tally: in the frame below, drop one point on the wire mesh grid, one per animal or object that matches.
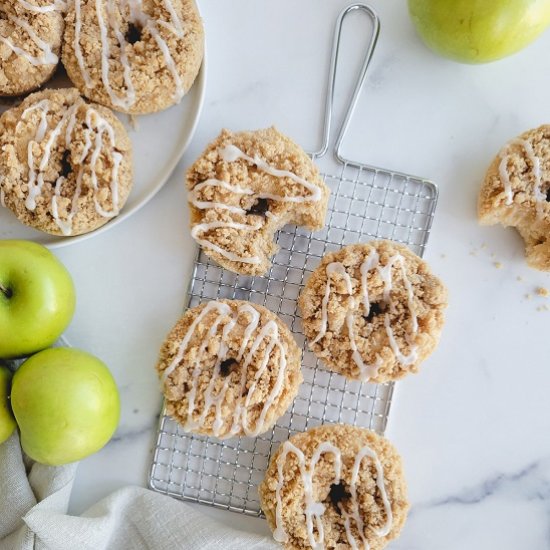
(365, 203)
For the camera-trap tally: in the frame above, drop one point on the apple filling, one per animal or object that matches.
(338, 494)
(228, 366)
(133, 34)
(375, 309)
(259, 208)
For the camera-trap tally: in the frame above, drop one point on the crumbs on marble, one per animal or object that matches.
(543, 308)
(542, 291)
(498, 265)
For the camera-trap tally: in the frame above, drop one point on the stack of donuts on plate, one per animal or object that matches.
(65, 158)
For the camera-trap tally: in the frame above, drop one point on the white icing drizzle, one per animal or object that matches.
(371, 262)
(269, 332)
(97, 126)
(504, 173)
(58, 5)
(231, 153)
(46, 55)
(314, 510)
(205, 243)
(147, 24)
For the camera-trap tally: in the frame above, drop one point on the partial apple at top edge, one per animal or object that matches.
(474, 31)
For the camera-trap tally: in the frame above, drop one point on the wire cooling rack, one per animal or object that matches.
(365, 203)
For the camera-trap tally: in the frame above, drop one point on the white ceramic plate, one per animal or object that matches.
(159, 141)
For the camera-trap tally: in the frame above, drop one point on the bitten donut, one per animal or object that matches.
(134, 56)
(229, 368)
(245, 187)
(30, 42)
(335, 486)
(373, 311)
(65, 165)
(516, 193)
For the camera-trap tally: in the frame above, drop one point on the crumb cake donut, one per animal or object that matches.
(65, 165)
(373, 311)
(134, 56)
(229, 368)
(30, 42)
(516, 193)
(246, 186)
(335, 486)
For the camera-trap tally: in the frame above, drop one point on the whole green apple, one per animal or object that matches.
(37, 298)
(66, 404)
(479, 31)
(7, 422)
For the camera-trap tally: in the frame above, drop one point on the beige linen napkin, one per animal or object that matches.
(33, 515)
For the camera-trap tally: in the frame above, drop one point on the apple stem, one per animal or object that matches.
(7, 291)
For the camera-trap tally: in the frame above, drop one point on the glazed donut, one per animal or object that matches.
(335, 486)
(373, 311)
(516, 193)
(229, 368)
(246, 186)
(134, 56)
(65, 164)
(30, 42)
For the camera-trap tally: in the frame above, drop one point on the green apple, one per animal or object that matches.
(479, 31)
(37, 298)
(66, 404)
(7, 422)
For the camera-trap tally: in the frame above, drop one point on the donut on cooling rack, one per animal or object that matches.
(516, 193)
(373, 311)
(65, 165)
(335, 486)
(246, 186)
(30, 41)
(229, 368)
(135, 57)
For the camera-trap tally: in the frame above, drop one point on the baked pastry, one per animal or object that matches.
(335, 486)
(373, 311)
(229, 368)
(246, 186)
(133, 56)
(65, 165)
(516, 193)
(30, 42)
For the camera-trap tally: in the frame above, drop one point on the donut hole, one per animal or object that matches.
(338, 494)
(133, 33)
(66, 166)
(259, 208)
(375, 309)
(228, 366)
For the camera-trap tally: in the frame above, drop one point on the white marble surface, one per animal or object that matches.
(473, 426)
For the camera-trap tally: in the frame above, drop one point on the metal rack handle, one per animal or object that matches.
(329, 102)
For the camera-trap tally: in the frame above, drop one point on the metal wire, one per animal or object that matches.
(366, 202)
